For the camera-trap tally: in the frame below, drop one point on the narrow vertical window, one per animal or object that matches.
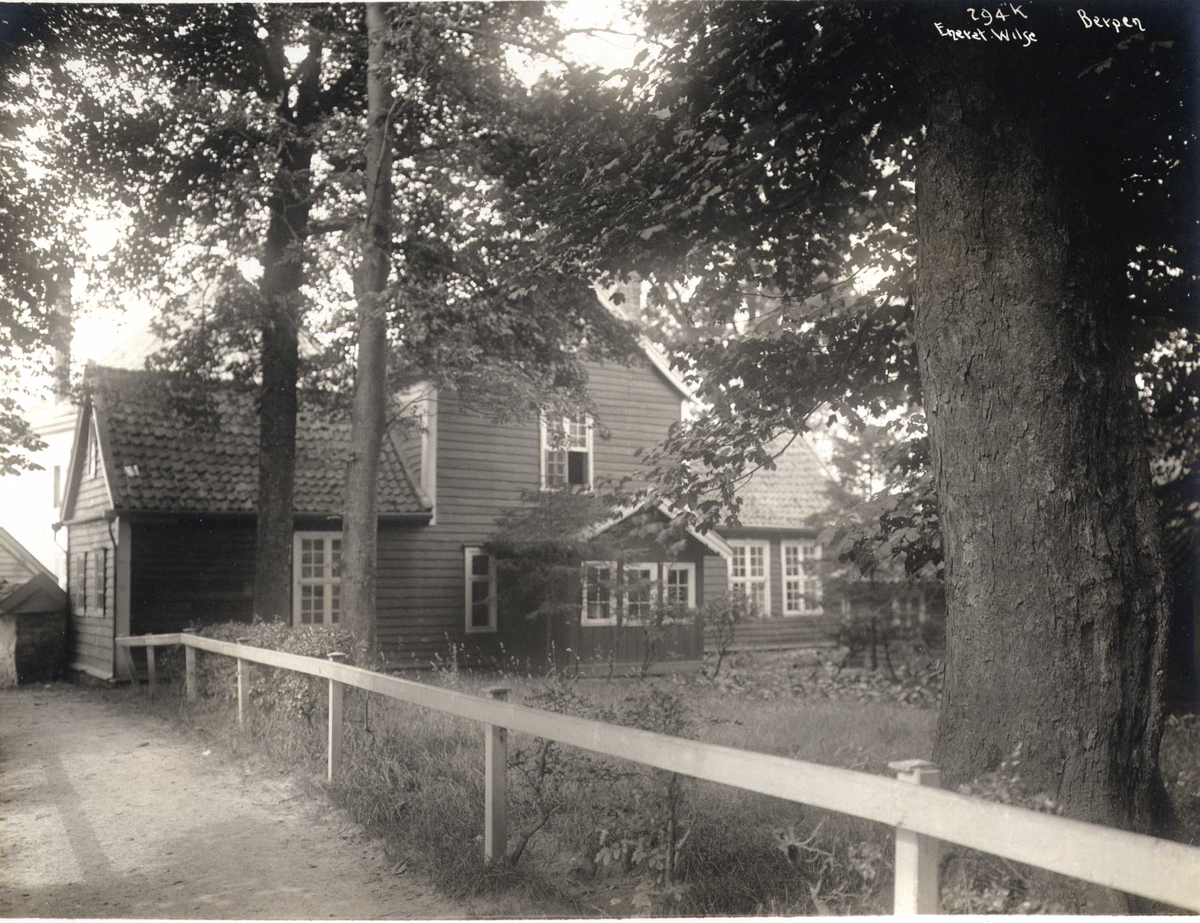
(93, 451)
(801, 578)
(317, 578)
(680, 585)
(567, 452)
(101, 585)
(748, 573)
(598, 580)
(479, 587)
(640, 585)
(57, 485)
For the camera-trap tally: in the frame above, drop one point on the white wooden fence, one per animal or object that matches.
(922, 814)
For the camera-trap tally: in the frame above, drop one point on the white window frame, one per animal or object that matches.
(329, 581)
(93, 450)
(544, 446)
(618, 599)
(470, 578)
(908, 594)
(655, 589)
(614, 598)
(746, 582)
(809, 603)
(688, 567)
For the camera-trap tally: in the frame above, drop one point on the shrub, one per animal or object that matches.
(720, 616)
(289, 693)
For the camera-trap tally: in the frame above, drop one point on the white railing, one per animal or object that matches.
(922, 814)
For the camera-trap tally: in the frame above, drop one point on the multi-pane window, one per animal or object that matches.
(679, 585)
(908, 608)
(479, 578)
(598, 585)
(801, 578)
(567, 452)
(640, 585)
(748, 573)
(317, 591)
(630, 592)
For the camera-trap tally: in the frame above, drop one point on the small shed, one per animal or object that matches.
(33, 630)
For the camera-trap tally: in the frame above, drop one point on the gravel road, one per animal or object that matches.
(107, 812)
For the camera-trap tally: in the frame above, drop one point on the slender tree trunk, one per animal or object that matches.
(283, 273)
(360, 522)
(1056, 618)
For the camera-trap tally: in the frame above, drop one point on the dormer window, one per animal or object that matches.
(93, 452)
(566, 445)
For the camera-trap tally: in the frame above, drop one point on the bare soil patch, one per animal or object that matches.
(112, 813)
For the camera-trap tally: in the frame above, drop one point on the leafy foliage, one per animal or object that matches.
(291, 694)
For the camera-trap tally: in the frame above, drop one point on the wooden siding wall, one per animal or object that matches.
(91, 495)
(92, 626)
(777, 631)
(483, 469)
(12, 568)
(626, 644)
(191, 572)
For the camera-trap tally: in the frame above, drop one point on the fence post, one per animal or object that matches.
(243, 685)
(189, 671)
(335, 720)
(151, 670)
(916, 854)
(495, 786)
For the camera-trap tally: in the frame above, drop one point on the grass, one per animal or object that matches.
(598, 841)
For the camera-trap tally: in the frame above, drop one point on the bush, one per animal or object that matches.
(720, 616)
(283, 691)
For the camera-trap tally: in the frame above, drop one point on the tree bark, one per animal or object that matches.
(1056, 618)
(367, 422)
(283, 273)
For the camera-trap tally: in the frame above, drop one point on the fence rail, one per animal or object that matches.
(922, 814)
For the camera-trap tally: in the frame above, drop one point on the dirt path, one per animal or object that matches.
(105, 812)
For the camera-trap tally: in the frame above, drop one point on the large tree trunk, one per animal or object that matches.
(283, 273)
(360, 522)
(1056, 616)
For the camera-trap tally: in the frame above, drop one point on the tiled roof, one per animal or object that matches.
(160, 461)
(791, 495)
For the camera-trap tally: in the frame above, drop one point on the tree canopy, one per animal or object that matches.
(881, 212)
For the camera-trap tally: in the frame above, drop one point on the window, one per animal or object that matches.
(479, 578)
(317, 580)
(567, 452)
(801, 578)
(100, 587)
(629, 593)
(908, 608)
(679, 587)
(93, 451)
(640, 592)
(57, 485)
(748, 573)
(598, 580)
(81, 569)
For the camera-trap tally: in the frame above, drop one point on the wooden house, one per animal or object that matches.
(776, 560)
(159, 514)
(32, 617)
(775, 557)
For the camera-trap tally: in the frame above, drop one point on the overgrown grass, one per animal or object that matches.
(607, 838)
